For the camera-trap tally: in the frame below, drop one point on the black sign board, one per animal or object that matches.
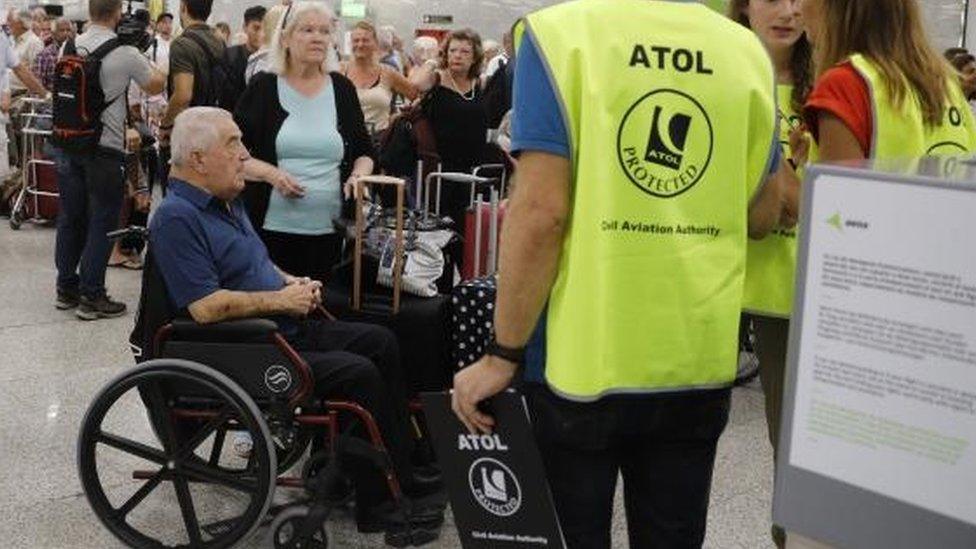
(438, 19)
(496, 482)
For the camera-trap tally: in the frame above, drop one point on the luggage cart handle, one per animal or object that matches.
(35, 100)
(460, 177)
(502, 168)
(453, 177)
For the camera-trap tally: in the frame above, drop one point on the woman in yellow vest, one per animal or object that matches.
(771, 261)
(883, 92)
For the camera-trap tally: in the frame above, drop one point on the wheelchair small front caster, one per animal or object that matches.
(290, 531)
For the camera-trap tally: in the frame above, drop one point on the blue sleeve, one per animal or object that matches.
(775, 155)
(537, 123)
(182, 256)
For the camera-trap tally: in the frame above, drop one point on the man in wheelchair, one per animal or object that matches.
(216, 268)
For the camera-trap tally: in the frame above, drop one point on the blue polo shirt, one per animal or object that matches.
(202, 244)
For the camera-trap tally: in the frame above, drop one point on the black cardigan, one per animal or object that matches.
(259, 115)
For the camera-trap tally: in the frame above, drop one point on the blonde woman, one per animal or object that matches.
(375, 82)
(259, 60)
(305, 120)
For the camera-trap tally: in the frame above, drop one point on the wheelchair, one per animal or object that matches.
(196, 386)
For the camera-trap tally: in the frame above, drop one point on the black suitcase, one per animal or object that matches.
(422, 324)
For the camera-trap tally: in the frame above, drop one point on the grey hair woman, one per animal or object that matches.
(303, 119)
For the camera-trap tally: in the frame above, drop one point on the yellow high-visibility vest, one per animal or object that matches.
(771, 262)
(902, 133)
(671, 116)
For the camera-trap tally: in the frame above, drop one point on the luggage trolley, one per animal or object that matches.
(35, 202)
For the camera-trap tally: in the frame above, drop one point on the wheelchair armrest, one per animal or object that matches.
(232, 331)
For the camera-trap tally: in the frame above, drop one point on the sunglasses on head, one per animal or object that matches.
(284, 20)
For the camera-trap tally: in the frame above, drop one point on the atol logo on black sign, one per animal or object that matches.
(495, 487)
(664, 143)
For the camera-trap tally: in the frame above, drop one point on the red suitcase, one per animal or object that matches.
(482, 230)
(483, 219)
(46, 183)
(39, 200)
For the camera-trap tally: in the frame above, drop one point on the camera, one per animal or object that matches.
(132, 29)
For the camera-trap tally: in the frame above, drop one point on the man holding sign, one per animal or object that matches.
(624, 252)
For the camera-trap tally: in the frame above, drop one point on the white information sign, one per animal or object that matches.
(885, 395)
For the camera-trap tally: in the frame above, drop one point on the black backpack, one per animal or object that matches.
(79, 100)
(222, 90)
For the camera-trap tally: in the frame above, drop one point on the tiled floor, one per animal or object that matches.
(51, 365)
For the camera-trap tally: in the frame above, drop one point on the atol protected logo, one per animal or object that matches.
(953, 119)
(665, 142)
(495, 487)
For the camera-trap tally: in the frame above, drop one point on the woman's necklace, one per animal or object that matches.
(458, 88)
(369, 75)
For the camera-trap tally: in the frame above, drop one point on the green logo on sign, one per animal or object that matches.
(836, 222)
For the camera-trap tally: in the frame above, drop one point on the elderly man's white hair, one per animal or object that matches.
(384, 37)
(424, 48)
(195, 130)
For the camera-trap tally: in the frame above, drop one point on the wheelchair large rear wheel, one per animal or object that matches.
(155, 478)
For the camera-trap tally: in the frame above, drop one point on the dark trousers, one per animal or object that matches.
(662, 445)
(772, 335)
(165, 155)
(361, 363)
(148, 159)
(304, 255)
(91, 189)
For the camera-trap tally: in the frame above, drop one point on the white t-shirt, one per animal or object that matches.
(259, 61)
(159, 54)
(27, 47)
(152, 106)
(8, 60)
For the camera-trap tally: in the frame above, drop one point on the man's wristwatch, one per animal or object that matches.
(516, 356)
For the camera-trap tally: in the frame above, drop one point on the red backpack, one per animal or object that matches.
(79, 100)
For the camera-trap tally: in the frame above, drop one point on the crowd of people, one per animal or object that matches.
(191, 114)
(258, 137)
(209, 65)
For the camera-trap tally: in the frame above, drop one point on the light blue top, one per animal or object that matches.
(310, 149)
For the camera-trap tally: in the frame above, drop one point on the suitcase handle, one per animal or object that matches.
(453, 177)
(503, 171)
(357, 284)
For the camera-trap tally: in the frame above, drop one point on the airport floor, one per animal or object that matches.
(51, 366)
